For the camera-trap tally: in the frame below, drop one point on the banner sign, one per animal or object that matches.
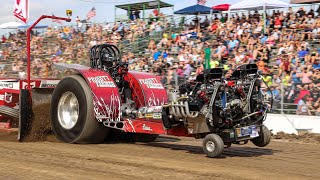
(21, 10)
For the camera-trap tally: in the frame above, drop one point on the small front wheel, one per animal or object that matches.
(264, 137)
(213, 145)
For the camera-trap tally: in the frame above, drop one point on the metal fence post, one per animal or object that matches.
(282, 93)
(176, 79)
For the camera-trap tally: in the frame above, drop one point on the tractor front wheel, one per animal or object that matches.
(213, 145)
(264, 137)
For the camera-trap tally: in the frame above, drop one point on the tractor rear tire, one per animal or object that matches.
(72, 115)
(264, 137)
(213, 145)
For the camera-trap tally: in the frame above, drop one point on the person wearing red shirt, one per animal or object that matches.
(278, 22)
(3, 39)
(155, 12)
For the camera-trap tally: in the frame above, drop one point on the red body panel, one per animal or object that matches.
(152, 127)
(106, 97)
(147, 89)
(10, 89)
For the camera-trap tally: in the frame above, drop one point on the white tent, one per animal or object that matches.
(10, 25)
(304, 1)
(258, 5)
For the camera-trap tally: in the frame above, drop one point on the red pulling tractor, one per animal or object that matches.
(85, 106)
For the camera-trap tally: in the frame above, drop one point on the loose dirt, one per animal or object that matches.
(167, 158)
(303, 137)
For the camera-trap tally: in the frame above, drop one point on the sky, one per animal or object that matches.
(104, 8)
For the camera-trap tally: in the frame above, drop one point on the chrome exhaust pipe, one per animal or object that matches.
(178, 111)
(193, 115)
(182, 110)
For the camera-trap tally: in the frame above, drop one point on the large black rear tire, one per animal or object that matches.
(85, 128)
(264, 137)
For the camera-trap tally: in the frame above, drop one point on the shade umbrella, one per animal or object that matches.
(38, 26)
(196, 10)
(221, 7)
(10, 25)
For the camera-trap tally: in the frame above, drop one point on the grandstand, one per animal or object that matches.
(288, 54)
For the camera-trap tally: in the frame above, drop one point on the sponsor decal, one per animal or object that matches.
(7, 97)
(151, 83)
(148, 115)
(9, 85)
(146, 128)
(49, 84)
(101, 81)
(157, 116)
(25, 85)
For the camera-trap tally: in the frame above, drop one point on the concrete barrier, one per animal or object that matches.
(292, 123)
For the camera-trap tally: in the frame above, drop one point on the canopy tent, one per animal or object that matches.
(38, 26)
(10, 25)
(221, 7)
(304, 1)
(258, 5)
(142, 6)
(196, 10)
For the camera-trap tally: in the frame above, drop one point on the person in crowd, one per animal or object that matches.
(303, 108)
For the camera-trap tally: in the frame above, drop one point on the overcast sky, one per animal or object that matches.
(104, 8)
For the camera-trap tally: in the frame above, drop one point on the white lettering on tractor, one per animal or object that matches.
(151, 83)
(102, 81)
(146, 128)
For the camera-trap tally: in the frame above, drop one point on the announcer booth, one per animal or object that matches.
(139, 6)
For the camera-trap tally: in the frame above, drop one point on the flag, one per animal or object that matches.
(56, 20)
(202, 2)
(21, 10)
(91, 13)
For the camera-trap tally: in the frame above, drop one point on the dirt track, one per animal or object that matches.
(168, 158)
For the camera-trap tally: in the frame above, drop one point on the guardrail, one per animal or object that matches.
(292, 124)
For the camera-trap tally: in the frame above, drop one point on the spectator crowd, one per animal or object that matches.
(286, 50)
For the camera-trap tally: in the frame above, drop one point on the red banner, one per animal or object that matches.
(21, 10)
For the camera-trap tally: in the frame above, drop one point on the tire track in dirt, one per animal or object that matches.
(169, 158)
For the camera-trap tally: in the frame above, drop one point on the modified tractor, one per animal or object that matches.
(88, 105)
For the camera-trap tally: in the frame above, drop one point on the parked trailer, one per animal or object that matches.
(85, 106)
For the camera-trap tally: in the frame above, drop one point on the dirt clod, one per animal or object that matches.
(304, 137)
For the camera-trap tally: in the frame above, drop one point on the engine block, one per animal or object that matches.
(220, 102)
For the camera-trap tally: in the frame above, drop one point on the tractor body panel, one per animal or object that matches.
(105, 93)
(147, 89)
